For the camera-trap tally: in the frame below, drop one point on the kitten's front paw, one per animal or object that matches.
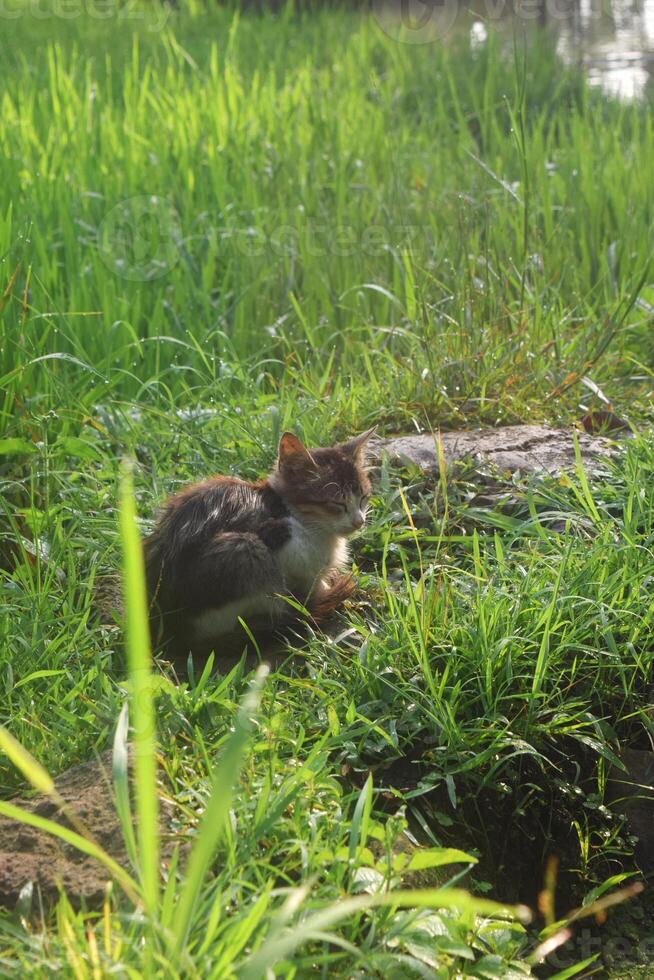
(275, 533)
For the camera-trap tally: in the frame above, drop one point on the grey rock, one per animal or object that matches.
(525, 448)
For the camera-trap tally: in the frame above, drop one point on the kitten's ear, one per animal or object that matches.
(293, 454)
(357, 445)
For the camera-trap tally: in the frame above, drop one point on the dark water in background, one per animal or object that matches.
(612, 39)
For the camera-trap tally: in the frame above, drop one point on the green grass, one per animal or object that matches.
(334, 230)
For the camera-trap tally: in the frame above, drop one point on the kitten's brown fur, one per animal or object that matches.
(226, 547)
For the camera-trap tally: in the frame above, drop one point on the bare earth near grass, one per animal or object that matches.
(31, 856)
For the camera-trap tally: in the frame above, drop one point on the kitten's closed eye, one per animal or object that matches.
(335, 507)
(331, 506)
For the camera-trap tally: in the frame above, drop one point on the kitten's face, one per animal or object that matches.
(329, 488)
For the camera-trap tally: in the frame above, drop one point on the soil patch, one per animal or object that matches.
(632, 791)
(31, 856)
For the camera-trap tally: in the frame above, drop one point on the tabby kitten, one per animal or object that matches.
(227, 548)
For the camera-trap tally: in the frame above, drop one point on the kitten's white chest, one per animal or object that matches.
(307, 556)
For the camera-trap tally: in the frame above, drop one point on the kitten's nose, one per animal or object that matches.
(358, 520)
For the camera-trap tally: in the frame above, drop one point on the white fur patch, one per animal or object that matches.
(309, 554)
(223, 620)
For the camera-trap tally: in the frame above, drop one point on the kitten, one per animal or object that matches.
(226, 548)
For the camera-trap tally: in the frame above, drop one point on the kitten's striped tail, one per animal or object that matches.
(337, 589)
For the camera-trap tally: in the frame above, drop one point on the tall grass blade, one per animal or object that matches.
(212, 826)
(26, 763)
(141, 696)
(120, 767)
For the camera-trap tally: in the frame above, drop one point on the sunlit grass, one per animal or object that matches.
(416, 233)
(347, 230)
(164, 937)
